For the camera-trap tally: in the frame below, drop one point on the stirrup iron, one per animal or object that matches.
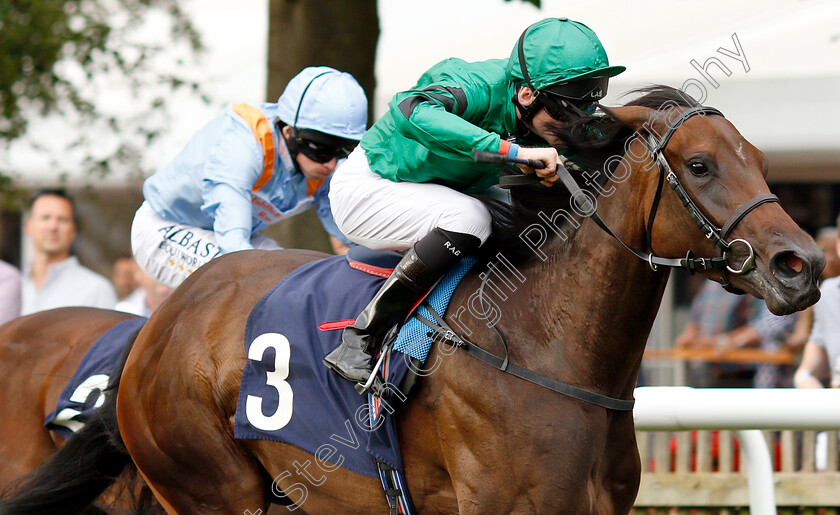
(374, 382)
(370, 384)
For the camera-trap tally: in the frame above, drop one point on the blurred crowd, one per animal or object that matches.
(54, 276)
(723, 322)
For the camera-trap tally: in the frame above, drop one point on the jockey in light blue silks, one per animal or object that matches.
(246, 169)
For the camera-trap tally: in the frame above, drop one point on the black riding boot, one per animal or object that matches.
(418, 270)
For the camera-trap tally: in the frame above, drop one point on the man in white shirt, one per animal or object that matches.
(820, 364)
(55, 278)
(9, 292)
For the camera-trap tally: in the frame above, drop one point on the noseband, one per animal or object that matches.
(710, 231)
(441, 330)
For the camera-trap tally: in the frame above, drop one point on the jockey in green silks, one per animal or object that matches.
(407, 185)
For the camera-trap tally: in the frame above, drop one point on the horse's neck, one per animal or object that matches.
(588, 308)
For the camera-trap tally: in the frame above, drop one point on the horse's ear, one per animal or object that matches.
(638, 118)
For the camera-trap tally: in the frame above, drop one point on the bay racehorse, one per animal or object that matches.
(38, 355)
(684, 186)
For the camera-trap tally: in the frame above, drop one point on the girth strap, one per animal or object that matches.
(399, 503)
(443, 331)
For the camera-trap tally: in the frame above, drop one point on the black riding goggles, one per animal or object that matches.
(322, 148)
(560, 108)
(581, 95)
(582, 90)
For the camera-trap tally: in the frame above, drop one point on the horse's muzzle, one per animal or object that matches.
(798, 272)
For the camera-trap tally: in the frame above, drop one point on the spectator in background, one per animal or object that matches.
(724, 321)
(768, 333)
(124, 277)
(146, 298)
(9, 292)
(820, 365)
(55, 278)
(827, 239)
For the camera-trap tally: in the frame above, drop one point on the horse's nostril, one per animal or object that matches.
(788, 264)
(793, 261)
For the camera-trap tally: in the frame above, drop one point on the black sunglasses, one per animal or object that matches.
(321, 153)
(560, 108)
(322, 148)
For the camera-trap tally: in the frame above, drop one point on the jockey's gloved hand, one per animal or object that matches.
(549, 157)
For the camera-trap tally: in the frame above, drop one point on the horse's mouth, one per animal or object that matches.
(778, 304)
(789, 283)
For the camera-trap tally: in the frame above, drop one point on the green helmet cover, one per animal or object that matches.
(559, 50)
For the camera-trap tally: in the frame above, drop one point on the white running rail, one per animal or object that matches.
(746, 410)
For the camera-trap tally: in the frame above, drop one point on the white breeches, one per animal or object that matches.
(169, 252)
(386, 215)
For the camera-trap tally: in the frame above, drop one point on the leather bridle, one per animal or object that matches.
(442, 331)
(717, 235)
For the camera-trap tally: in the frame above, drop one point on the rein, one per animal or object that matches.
(710, 231)
(442, 331)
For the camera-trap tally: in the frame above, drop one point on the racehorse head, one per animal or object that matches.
(720, 205)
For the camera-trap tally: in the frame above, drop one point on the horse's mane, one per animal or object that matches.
(590, 143)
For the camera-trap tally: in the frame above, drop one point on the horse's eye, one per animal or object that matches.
(698, 168)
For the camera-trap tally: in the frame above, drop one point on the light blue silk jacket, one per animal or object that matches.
(210, 183)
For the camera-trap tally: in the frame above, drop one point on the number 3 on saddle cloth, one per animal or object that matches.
(287, 394)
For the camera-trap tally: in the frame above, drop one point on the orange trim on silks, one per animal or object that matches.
(370, 269)
(259, 125)
(338, 324)
(312, 185)
(504, 146)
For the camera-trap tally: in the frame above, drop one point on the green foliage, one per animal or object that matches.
(12, 196)
(52, 52)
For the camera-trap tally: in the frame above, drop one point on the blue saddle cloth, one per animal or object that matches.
(287, 394)
(83, 394)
